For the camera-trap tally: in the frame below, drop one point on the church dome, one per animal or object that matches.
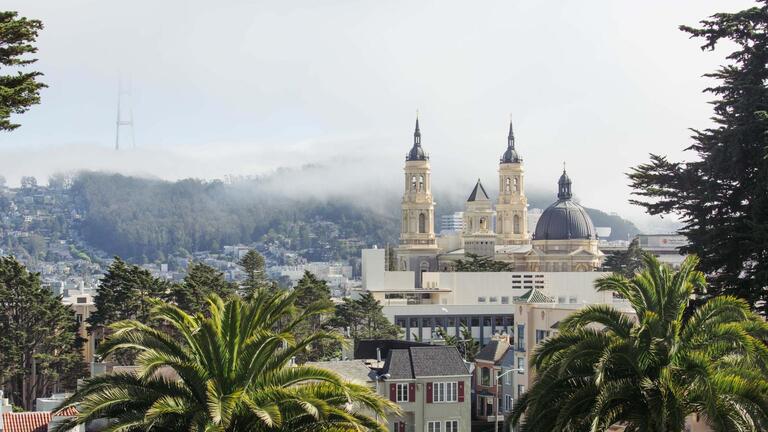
(510, 156)
(565, 219)
(416, 153)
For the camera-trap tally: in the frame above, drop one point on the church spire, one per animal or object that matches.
(510, 155)
(564, 186)
(416, 153)
(417, 132)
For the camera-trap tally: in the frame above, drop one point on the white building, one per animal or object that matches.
(452, 223)
(484, 302)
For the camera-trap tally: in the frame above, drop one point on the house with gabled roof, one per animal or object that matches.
(431, 384)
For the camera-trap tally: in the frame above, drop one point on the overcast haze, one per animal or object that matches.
(244, 87)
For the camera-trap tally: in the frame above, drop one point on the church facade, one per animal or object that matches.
(563, 240)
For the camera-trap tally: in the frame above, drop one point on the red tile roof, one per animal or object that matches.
(69, 411)
(26, 421)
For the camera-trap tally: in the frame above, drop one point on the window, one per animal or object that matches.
(422, 223)
(504, 300)
(520, 390)
(413, 182)
(481, 299)
(452, 426)
(572, 300)
(541, 335)
(508, 378)
(521, 363)
(521, 337)
(485, 376)
(507, 402)
(433, 426)
(506, 185)
(402, 392)
(421, 182)
(561, 300)
(79, 318)
(445, 392)
(516, 224)
(493, 299)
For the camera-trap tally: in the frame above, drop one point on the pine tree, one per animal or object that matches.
(255, 274)
(200, 281)
(625, 262)
(476, 263)
(125, 292)
(40, 350)
(19, 90)
(722, 196)
(363, 318)
(313, 294)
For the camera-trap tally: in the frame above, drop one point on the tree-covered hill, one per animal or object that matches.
(147, 219)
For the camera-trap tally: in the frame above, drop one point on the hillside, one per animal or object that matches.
(147, 219)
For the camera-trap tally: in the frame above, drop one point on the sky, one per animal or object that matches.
(245, 87)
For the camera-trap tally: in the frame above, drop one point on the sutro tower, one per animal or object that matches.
(122, 120)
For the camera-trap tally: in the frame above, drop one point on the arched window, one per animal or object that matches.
(516, 224)
(517, 186)
(506, 184)
(421, 182)
(405, 223)
(482, 223)
(470, 225)
(413, 182)
(485, 376)
(422, 223)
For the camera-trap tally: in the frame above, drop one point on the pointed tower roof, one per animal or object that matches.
(416, 153)
(511, 155)
(478, 193)
(564, 186)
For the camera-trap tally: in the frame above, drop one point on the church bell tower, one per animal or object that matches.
(512, 209)
(418, 247)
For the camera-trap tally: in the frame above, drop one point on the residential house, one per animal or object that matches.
(488, 367)
(431, 385)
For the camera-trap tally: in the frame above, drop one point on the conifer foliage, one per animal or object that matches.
(19, 89)
(40, 350)
(722, 195)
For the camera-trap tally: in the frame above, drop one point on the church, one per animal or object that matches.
(563, 240)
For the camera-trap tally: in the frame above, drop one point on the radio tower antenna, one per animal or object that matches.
(124, 119)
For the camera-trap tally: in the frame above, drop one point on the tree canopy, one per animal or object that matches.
(625, 262)
(40, 349)
(125, 292)
(722, 195)
(201, 280)
(233, 373)
(363, 319)
(476, 263)
(19, 90)
(651, 371)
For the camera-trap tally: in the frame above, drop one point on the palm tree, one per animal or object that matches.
(228, 371)
(648, 372)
